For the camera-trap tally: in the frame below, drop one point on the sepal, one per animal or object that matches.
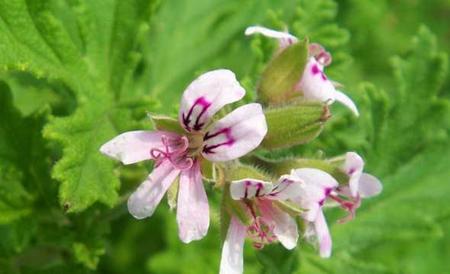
(277, 84)
(289, 207)
(166, 123)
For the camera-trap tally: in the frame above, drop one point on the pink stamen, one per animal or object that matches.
(175, 151)
(349, 205)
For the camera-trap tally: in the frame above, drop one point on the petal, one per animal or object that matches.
(232, 261)
(323, 235)
(316, 186)
(193, 209)
(286, 188)
(315, 177)
(314, 83)
(207, 95)
(236, 134)
(142, 203)
(369, 186)
(285, 228)
(249, 188)
(353, 167)
(284, 38)
(346, 101)
(134, 146)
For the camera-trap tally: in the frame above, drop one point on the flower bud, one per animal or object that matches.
(294, 124)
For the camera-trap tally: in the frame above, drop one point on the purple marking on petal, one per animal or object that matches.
(225, 131)
(204, 104)
(276, 190)
(327, 193)
(351, 171)
(324, 77)
(247, 184)
(259, 187)
(315, 69)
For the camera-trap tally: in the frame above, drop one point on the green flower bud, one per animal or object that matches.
(294, 124)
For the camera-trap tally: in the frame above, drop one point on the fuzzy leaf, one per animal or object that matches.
(95, 63)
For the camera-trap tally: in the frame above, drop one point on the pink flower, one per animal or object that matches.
(179, 155)
(269, 223)
(360, 185)
(316, 187)
(314, 84)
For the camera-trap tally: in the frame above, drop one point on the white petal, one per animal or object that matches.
(315, 177)
(236, 134)
(314, 83)
(285, 229)
(134, 146)
(316, 185)
(284, 38)
(193, 209)
(369, 186)
(249, 188)
(346, 101)
(232, 261)
(143, 202)
(353, 167)
(323, 235)
(286, 188)
(207, 95)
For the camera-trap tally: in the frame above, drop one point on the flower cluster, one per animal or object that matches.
(264, 207)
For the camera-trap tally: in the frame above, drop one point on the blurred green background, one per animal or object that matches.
(74, 73)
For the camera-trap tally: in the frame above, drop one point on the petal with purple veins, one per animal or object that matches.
(206, 95)
(235, 135)
(249, 188)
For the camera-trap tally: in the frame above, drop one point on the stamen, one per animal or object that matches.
(175, 151)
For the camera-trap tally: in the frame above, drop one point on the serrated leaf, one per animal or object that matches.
(95, 63)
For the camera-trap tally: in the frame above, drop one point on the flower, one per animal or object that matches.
(314, 84)
(179, 155)
(319, 188)
(269, 223)
(316, 187)
(360, 185)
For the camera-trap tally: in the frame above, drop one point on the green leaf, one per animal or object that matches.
(277, 260)
(96, 63)
(89, 257)
(283, 73)
(20, 144)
